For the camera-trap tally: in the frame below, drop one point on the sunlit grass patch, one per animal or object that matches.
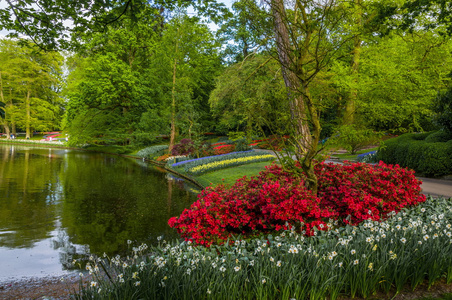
(230, 175)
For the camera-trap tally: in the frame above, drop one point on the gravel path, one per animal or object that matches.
(49, 288)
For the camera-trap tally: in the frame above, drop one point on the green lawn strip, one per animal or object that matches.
(230, 175)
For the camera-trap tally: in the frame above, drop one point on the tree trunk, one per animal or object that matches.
(28, 117)
(350, 106)
(308, 162)
(291, 81)
(4, 122)
(173, 97)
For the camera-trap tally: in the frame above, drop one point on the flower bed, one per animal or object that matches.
(223, 149)
(409, 249)
(274, 200)
(152, 150)
(25, 141)
(217, 165)
(207, 159)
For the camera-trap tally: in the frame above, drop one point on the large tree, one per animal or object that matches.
(308, 38)
(29, 85)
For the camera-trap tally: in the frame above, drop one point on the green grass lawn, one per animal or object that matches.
(230, 175)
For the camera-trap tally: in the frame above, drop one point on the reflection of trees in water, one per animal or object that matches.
(29, 194)
(111, 200)
(68, 251)
(100, 200)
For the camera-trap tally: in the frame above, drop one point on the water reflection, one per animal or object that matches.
(78, 202)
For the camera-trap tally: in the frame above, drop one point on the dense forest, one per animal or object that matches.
(132, 72)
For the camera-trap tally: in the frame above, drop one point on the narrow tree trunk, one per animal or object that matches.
(308, 162)
(173, 97)
(4, 122)
(28, 116)
(350, 106)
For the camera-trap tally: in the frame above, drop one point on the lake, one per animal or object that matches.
(60, 204)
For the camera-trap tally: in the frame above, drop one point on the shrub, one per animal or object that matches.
(151, 151)
(143, 138)
(185, 147)
(443, 108)
(353, 139)
(419, 152)
(277, 200)
(439, 136)
(242, 145)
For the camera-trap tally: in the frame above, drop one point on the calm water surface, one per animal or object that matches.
(60, 204)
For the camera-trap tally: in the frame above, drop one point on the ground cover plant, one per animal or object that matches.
(410, 248)
(349, 193)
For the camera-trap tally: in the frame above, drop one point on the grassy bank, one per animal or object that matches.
(230, 175)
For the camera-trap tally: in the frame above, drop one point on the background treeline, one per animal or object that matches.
(166, 73)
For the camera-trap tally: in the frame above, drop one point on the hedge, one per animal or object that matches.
(429, 154)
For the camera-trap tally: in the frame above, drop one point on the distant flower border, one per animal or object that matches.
(20, 141)
(206, 157)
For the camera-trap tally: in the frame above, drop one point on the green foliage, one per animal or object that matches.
(151, 151)
(247, 28)
(236, 135)
(29, 85)
(439, 136)
(57, 25)
(442, 106)
(142, 138)
(427, 156)
(353, 138)
(248, 96)
(396, 90)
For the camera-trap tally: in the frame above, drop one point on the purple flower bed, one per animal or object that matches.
(367, 153)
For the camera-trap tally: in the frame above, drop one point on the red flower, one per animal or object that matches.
(276, 200)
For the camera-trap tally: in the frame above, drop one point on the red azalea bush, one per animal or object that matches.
(348, 193)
